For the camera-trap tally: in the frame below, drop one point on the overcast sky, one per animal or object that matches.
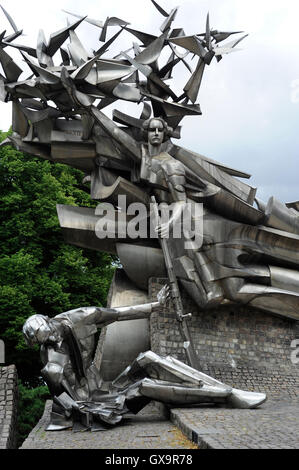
(250, 100)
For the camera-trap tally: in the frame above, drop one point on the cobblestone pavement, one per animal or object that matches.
(272, 426)
(148, 430)
(275, 425)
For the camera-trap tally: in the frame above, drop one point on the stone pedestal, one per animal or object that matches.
(8, 407)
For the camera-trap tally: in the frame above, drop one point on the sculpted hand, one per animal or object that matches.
(163, 230)
(164, 295)
(172, 216)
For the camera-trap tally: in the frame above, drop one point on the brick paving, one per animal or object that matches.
(148, 430)
(275, 425)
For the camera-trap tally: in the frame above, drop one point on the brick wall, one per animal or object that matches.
(8, 407)
(240, 346)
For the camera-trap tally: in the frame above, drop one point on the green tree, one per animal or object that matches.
(30, 410)
(39, 273)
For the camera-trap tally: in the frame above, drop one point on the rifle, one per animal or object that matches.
(176, 297)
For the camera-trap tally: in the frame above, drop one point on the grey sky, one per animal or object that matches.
(250, 120)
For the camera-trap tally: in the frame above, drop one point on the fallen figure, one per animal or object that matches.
(67, 352)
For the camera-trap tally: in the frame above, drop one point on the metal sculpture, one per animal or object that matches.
(67, 346)
(250, 250)
(249, 253)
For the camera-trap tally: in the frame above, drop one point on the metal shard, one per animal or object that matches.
(2, 36)
(41, 51)
(152, 52)
(214, 174)
(191, 43)
(220, 51)
(293, 205)
(146, 70)
(82, 72)
(127, 93)
(25, 89)
(167, 23)
(137, 49)
(208, 34)
(160, 9)
(104, 48)
(57, 39)
(20, 124)
(145, 38)
(281, 217)
(113, 21)
(97, 23)
(106, 102)
(123, 118)
(11, 21)
(175, 109)
(228, 47)
(46, 76)
(235, 43)
(108, 71)
(27, 49)
(11, 70)
(219, 36)
(193, 85)
(163, 89)
(166, 72)
(3, 92)
(76, 49)
(11, 37)
(181, 56)
(65, 57)
(146, 112)
(114, 132)
(40, 115)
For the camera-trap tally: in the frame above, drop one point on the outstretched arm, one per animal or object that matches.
(145, 310)
(88, 317)
(105, 316)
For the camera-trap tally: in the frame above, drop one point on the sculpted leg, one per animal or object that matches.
(173, 382)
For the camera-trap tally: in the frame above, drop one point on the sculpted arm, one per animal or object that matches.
(106, 316)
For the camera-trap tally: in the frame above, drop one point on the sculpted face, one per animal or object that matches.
(38, 330)
(156, 133)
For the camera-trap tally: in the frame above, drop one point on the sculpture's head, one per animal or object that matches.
(37, 330)
(157, 131)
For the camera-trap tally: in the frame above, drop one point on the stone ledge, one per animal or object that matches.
(272, 426)
(8, 407)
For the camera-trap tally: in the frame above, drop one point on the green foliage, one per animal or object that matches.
(39, 273)
(30, 409)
